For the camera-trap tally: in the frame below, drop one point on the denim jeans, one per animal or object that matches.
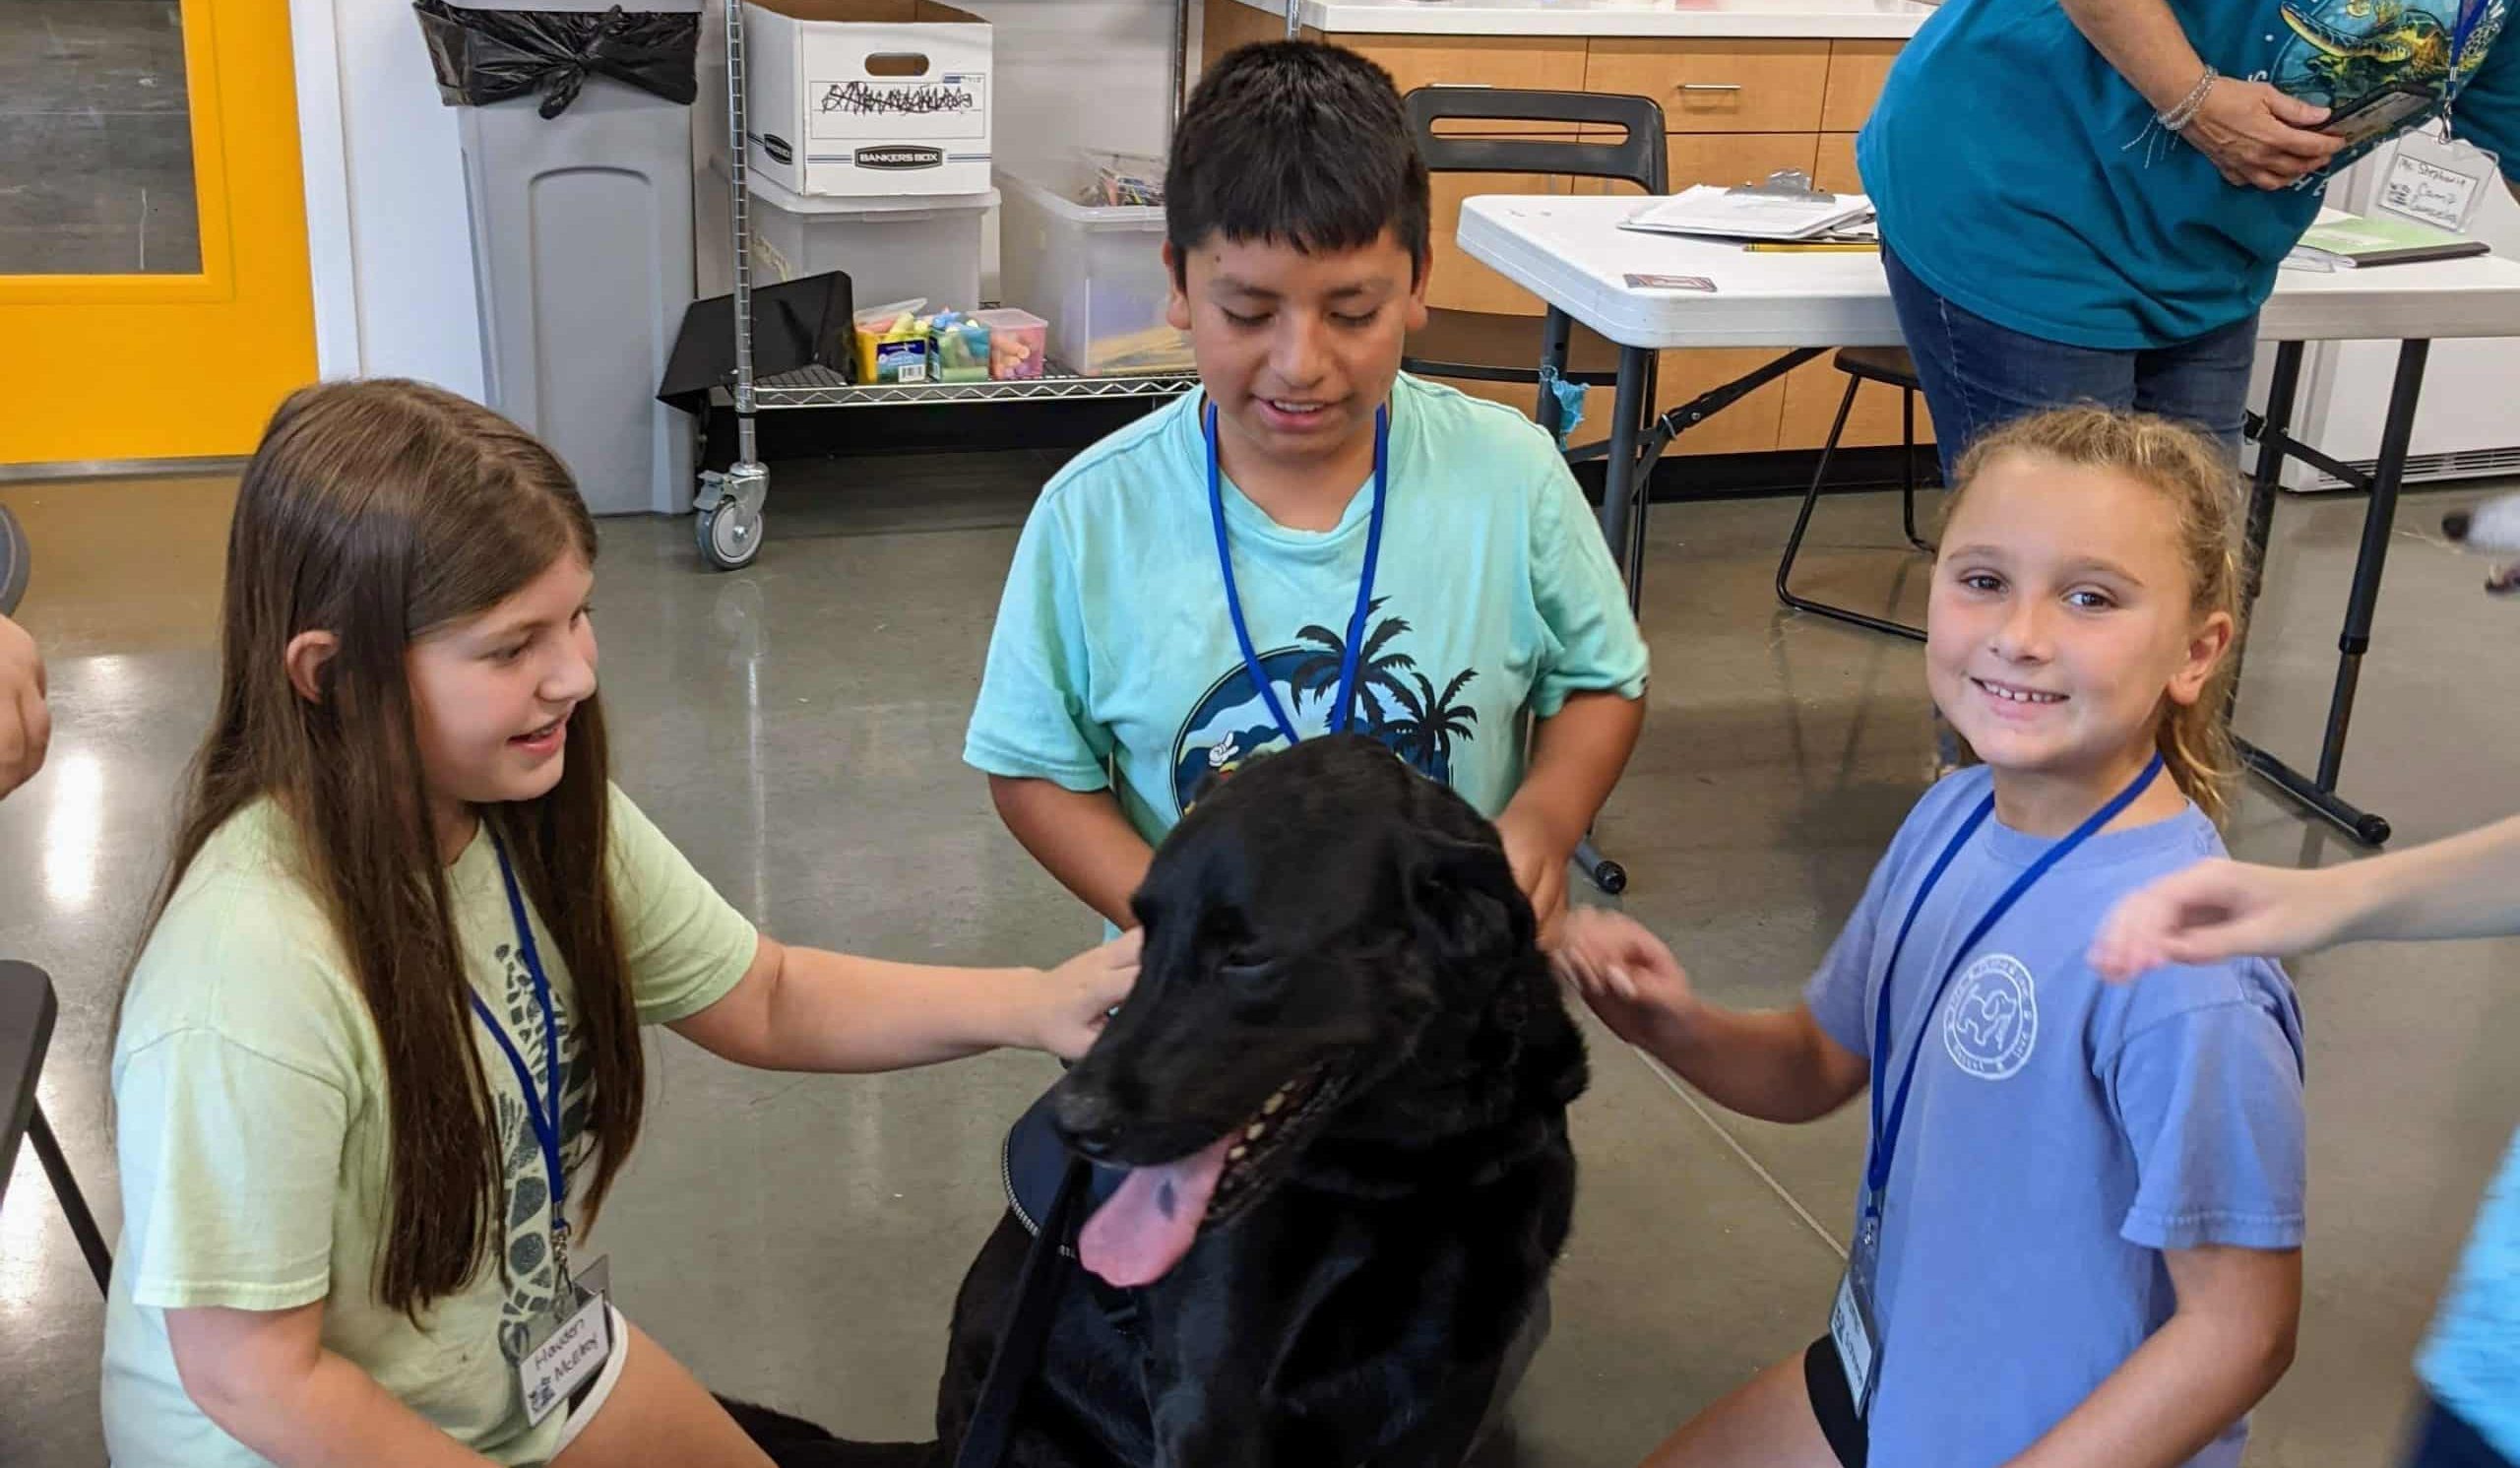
(1977, 374)
(2446, 1441)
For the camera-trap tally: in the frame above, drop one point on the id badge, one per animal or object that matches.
(1850, 1322)
(569, 1342)
(2436, 181)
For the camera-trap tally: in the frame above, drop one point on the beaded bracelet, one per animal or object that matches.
(2178, 119)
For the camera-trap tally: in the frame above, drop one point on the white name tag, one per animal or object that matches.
(1852, 1332)
(2437, 183)
(550, 1371)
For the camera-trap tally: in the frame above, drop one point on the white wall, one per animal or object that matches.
(386, 222)
(392, 253)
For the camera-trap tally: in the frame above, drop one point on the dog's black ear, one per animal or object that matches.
(1463, 900)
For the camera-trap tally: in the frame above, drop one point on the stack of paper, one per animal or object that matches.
(1726, 215)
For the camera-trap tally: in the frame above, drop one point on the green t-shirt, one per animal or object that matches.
(251, 1126)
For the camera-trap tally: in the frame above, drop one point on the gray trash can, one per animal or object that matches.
(581, 250)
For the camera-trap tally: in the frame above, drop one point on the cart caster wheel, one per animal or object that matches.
(1611, 877)
(729, 537)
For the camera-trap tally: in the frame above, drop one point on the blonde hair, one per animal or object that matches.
(2199, 484)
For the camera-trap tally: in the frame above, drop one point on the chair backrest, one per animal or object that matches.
(1640, 158)
(13, 563)
(26, 1012)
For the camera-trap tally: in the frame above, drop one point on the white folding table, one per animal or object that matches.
(1571, 253)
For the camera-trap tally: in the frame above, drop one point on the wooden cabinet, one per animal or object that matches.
(1718, 85)
(1735, 111)
(1519, 62)
(1856, 70)
(1458, 283)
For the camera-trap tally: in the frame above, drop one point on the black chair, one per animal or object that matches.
(26, 1012)
(1488, 346)
(13, 561)
(1493, 347)
(1892, 366)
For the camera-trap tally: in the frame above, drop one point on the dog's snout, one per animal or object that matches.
(1086, 1120)
(2455, 524)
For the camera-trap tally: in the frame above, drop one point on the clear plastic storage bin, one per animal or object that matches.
(893, 248)
(1096, 272)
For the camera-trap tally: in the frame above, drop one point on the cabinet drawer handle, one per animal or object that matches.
(1708, 86)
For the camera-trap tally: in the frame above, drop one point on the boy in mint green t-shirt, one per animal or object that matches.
(1200, 587)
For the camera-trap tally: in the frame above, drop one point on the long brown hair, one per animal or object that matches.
(2197, 482)
(380, 511)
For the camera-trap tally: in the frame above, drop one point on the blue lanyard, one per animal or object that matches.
(544, 1117)
(2471, 15)
(1885, 1126)
(1338, 711)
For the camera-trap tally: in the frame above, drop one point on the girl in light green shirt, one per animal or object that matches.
(381, 1057)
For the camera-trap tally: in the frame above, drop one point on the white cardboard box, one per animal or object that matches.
(857, 97)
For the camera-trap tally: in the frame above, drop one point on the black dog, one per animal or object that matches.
(1340, 1091)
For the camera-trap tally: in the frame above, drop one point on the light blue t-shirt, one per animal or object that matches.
(2062, 1132)
(2074, 218)
(2472, 1364)
(1496, 594)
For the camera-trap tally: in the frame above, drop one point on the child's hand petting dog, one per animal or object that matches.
(1627, 975)
(1080, 993)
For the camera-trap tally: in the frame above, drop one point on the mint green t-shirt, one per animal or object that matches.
(250, 1117)
(1494, 596)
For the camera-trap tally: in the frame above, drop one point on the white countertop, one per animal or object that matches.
(1571, 252)
(1805, 19)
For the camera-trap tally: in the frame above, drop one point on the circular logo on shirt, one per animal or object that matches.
(1992, 1023)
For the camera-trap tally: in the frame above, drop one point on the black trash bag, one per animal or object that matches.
(486, 56)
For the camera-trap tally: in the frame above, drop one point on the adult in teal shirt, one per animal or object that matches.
(2052, 238)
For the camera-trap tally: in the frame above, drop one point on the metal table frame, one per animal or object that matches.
(1638, 442)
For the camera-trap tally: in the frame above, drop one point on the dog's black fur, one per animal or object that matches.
(1325, 912)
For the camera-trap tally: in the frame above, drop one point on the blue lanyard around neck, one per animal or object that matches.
(1886, 1123)
(544, 1117)
(2471, 15)
(1347, 657)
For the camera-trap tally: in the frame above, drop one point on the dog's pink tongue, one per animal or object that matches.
(1146, 1228)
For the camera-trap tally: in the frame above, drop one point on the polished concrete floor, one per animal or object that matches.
(796, 728)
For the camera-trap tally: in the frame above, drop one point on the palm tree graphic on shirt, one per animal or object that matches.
(1425, 737)
(1327, 651)
(1396, 704)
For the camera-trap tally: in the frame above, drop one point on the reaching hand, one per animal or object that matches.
(1080, 994)
(1627, 975)
(2213, 911)
(26, 726)
(2259, 137)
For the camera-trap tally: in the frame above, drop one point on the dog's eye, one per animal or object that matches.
(1249, 969)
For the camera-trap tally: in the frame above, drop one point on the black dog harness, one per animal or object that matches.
(1051, 1190)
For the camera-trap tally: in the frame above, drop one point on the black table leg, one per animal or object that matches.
(1555, 331)
(1623, 477)
(2318, 793)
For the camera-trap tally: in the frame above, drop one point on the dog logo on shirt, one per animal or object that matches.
(1992, 1023)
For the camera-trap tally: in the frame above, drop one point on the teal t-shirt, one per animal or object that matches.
(2022, 178)
(1114, 649)
(2472, 1364)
